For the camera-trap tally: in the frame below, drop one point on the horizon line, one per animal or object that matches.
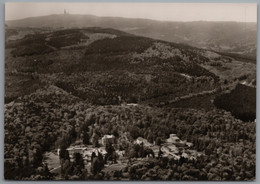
(134, 18)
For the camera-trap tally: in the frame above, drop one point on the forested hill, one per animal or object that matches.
(235, 37)
(111, 63)
(107, 66)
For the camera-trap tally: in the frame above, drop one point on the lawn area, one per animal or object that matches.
(52, 159)
(114, 167)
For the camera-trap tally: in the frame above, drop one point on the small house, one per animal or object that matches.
(108, 139)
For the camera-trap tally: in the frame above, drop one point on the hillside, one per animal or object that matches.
(66, 87)
(124, 67)
(235, 37)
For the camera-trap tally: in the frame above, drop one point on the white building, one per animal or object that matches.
(76, 149)
(88, 152)
(108, 139)
(175, 140)
(143, 141)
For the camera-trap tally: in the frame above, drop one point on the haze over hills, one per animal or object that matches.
(232, 37)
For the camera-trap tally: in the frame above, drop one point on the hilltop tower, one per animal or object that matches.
(66, 12)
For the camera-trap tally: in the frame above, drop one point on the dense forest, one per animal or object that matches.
(241, 102)
(65, 86)
(62, 119)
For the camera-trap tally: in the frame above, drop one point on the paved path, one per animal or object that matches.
(54, 169)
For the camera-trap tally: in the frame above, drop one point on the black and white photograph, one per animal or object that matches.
(130, 91)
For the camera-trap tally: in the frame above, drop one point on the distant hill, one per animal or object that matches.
(234, 37)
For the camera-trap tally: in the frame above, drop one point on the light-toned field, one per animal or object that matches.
(115, 167)
(52, 160)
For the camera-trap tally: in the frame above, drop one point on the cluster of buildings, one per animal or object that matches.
(86, 151)
(172, 147)
(176, 148)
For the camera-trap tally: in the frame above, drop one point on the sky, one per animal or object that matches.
(241, 12)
